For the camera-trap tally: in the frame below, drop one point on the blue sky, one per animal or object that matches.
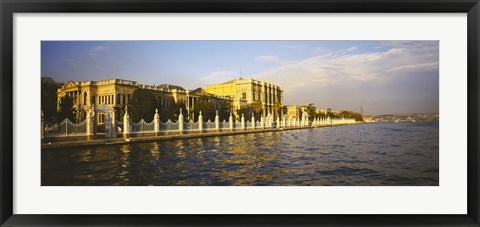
(381, 76)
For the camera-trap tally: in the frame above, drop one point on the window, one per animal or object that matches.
(244, 95)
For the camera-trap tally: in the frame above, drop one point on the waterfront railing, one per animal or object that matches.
(67, 128)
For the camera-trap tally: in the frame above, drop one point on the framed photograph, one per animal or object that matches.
(223, 113)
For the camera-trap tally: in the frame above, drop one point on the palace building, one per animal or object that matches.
(118, 93)
(245, 92)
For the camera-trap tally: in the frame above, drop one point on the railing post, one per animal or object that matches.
(156, 122)
(217, 121)
(126, 124)
(243, 122)
(253, 121)
(180, 121)
(200, 121)
(230, 119)
(278, 121)
(89, 123)
(42, 130)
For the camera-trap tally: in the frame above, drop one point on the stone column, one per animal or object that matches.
(217, 121)
(126, 124)
(253, 121)
(278, 122)
(200, 121)
(180, 121)
(156, 122)
(243, 122)
(230, 121)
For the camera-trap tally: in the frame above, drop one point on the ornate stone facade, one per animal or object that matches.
(248, 91)
(118, 93)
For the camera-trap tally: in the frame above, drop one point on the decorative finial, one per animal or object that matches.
(181, 111)
(200, 112)
(156, 111)
(216, 112)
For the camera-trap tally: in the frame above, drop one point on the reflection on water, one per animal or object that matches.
(369, 154)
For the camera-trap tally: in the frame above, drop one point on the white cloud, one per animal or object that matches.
(329, 68)
(215, 78)
(93, 52)
(272, 59)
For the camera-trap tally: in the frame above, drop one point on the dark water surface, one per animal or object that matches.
(367, 154)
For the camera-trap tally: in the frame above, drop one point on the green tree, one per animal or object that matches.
(357, 116)
(142, 105)
(331, 114)
(257, 108)
(312, 111)
(345, 114)
(66, 109)
(350, 114)
(172, 111)
(322, 115)
(277, 107)
(48, 95)
(247, 113)
(223, 110)
(205, 105)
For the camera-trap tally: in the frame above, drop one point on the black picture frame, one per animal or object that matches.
(9, 7)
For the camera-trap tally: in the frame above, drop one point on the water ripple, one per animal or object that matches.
(371, 154)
